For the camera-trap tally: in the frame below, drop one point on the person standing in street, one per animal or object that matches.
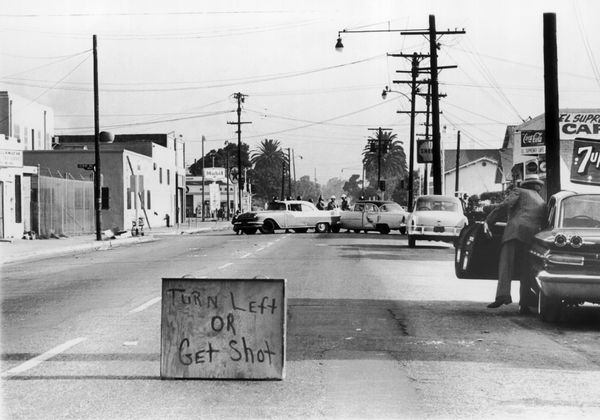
(320, 203)
(526, 212)
(331, 204)
(345, 206)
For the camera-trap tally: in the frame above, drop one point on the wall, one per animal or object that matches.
(25, 117)
(473, 179)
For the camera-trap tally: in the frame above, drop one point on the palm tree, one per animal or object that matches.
(390, 160)
(268, 160)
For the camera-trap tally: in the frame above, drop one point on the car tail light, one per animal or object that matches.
(576, 241)
(560, 240)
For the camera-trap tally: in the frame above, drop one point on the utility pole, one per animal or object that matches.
(457, 160)
(428, 104)
(551, 106)
(433, 47)
(289, 173)
(415, 60)
(203, 139)
(283, 178)
(227, 176)
(97, 171)
(240, 99)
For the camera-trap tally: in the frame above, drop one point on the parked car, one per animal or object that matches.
(436, 218)
(368, 215)
(288, 214)
(565, 254)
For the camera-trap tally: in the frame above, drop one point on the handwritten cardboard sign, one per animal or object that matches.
(223, 328)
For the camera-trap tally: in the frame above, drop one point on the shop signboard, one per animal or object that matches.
(586, 161)
(11, 158)
(424, 151)
(214, 174)
(579, 124)
(533, 142)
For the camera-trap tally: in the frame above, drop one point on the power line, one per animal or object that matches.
(65, 58)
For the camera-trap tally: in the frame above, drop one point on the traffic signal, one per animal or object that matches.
(382, 185)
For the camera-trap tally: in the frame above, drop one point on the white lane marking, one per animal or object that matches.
(130, 343)
(268, 244)
(225, 265)
(145, 305)
(246, 255)
(31, 363)
(260, 249)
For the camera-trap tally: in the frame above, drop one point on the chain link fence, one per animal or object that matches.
(62, 205)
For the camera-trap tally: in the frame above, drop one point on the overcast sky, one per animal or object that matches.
(174, 66)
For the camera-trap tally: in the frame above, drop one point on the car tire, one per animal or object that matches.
(301, 230)
(383, 229)
(268, 227)
(336, 228)
(249, 231)
(549, 308)
(356, 230)
(321, 227)
(411, 242)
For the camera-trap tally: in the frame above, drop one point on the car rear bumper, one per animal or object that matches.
(426, 232)
(577, 286)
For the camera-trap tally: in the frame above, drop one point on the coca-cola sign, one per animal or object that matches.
(586, 161)
(532, 142)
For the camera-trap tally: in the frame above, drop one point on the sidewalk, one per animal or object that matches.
(23, 249)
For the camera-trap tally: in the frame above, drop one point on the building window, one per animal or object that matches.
(105, 198)
(160, 175)
(18, 215)
(148, 202)
(168, 177)
(128, 198)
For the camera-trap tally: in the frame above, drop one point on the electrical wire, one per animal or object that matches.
(64, 58)
(586, 44)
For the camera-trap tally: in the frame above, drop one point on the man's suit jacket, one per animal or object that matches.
(526, 215)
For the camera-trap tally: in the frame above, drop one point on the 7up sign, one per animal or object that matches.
(586, 161)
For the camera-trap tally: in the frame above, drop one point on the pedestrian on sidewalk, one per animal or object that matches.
(526, 212)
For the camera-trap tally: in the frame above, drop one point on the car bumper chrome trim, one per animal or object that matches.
(577, 286)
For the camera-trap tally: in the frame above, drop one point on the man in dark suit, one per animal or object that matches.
(526, 212)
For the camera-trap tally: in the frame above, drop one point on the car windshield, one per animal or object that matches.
(391, 208)
(274, 205)
(580, 211)
(435, 204)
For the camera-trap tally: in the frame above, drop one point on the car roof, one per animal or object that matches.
(378, 202)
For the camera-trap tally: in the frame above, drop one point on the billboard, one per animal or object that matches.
(579, 124)
(585, 168)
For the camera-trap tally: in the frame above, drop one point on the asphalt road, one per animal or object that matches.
(375, 330)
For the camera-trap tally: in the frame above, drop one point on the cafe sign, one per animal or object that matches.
(533, 142)
(586, 162)
(578, 124)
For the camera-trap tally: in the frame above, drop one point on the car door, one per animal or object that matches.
(370, 216)
(353, 219)
(294, 216)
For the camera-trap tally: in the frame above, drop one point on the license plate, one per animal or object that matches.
(439, 229)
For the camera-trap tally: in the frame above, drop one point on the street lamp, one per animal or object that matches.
(338, 45)
(411, 164)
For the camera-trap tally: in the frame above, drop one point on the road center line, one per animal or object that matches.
(31, 363)
(246, 255)
(225, 265)
(145, 305)
(260, 249)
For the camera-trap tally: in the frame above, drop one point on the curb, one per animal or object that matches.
(103, 245)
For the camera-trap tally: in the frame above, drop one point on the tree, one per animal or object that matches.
(335, 186)
(390, 160)
(220, 158)
(268, 159)
(353, 187)
(306, 188)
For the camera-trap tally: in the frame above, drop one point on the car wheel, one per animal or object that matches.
(356, 230)
(301, 230)
(548, 308)
(336, 228)
(268, 227)
(411, 242)
(322, 227)
(250, 231)
(383, 229)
